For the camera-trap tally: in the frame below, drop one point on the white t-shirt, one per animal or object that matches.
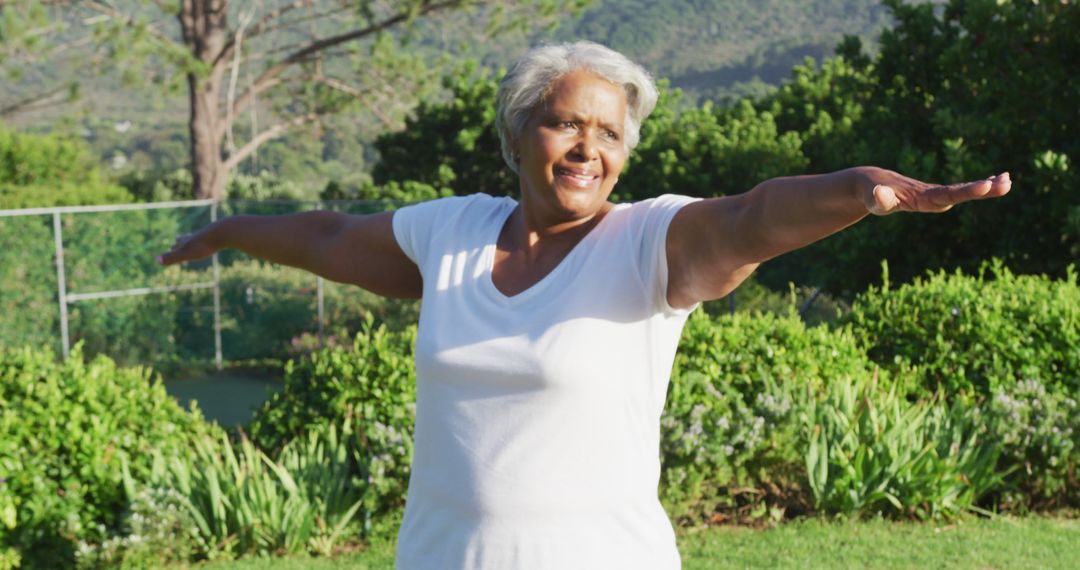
(538, 415)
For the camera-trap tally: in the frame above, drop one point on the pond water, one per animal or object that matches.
(228, 398)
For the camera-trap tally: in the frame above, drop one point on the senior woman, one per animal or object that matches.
(549, 324)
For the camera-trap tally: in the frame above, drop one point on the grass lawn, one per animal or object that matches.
(1003, 543)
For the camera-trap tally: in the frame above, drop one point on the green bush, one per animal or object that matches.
(373, 385)
(392, 194)
(44, 160)
(156, 529)
(14, 197)
(63, 428)
(50, 170)
(729, 441)
(29, 314)
(236, 500)
(265, 186)
(814, 305)
(869, 451)
(977, 334)
(1040, 432)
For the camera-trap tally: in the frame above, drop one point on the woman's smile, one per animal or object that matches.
(578, 177)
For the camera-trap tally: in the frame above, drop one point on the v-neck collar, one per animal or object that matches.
(543, 283)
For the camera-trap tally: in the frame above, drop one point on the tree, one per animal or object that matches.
(450, 143)
(305, 59)
(959, 91)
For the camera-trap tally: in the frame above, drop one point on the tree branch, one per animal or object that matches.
(300, 20)
(127, 20)
(263, 81)
(356, 93)
(271, 133)
(259, 27)
(39, 101)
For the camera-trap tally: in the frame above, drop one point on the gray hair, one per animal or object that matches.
(529, 82)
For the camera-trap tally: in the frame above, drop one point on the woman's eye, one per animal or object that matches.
(567, 125)
(611, 135)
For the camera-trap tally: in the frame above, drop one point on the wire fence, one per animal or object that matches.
(108, 293)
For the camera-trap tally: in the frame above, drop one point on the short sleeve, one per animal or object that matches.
(415, 225)
(652, 219)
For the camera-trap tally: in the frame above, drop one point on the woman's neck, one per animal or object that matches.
(526, 231)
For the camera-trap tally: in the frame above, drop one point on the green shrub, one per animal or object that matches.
(1040, 432)
(240, 501)
(44, 160)
(50, 170)
(393, 193)
(63, 428)
(156, 529)
(976, 334)
(373, 385)
(868, 451)
(29, 314)
(814, 305)
(62, 194)
(729, 440)
(9, 558)
(265, 186)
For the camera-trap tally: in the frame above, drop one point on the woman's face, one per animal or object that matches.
(572, 149)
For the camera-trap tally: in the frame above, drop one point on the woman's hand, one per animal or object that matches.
(885, 192)
(189, 247)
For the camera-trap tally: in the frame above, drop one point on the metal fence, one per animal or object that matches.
(67, 296)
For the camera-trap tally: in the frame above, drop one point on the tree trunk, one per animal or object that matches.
(204, 27)
(207, 167)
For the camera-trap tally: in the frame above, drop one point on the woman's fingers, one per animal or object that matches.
(182, 250)
(920, 197)
(993, 187)
(170, 257)
(1000, 186)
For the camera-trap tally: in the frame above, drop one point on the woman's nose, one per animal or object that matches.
(586, 148)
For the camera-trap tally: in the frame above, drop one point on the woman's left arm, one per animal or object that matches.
(714, 244)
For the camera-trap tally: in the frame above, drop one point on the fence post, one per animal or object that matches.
(319, 293)
(217, 296)
(61, 284)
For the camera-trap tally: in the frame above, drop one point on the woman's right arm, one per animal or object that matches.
(345, 248)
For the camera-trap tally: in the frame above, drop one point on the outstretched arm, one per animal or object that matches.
(345, 248)
(714, 244)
